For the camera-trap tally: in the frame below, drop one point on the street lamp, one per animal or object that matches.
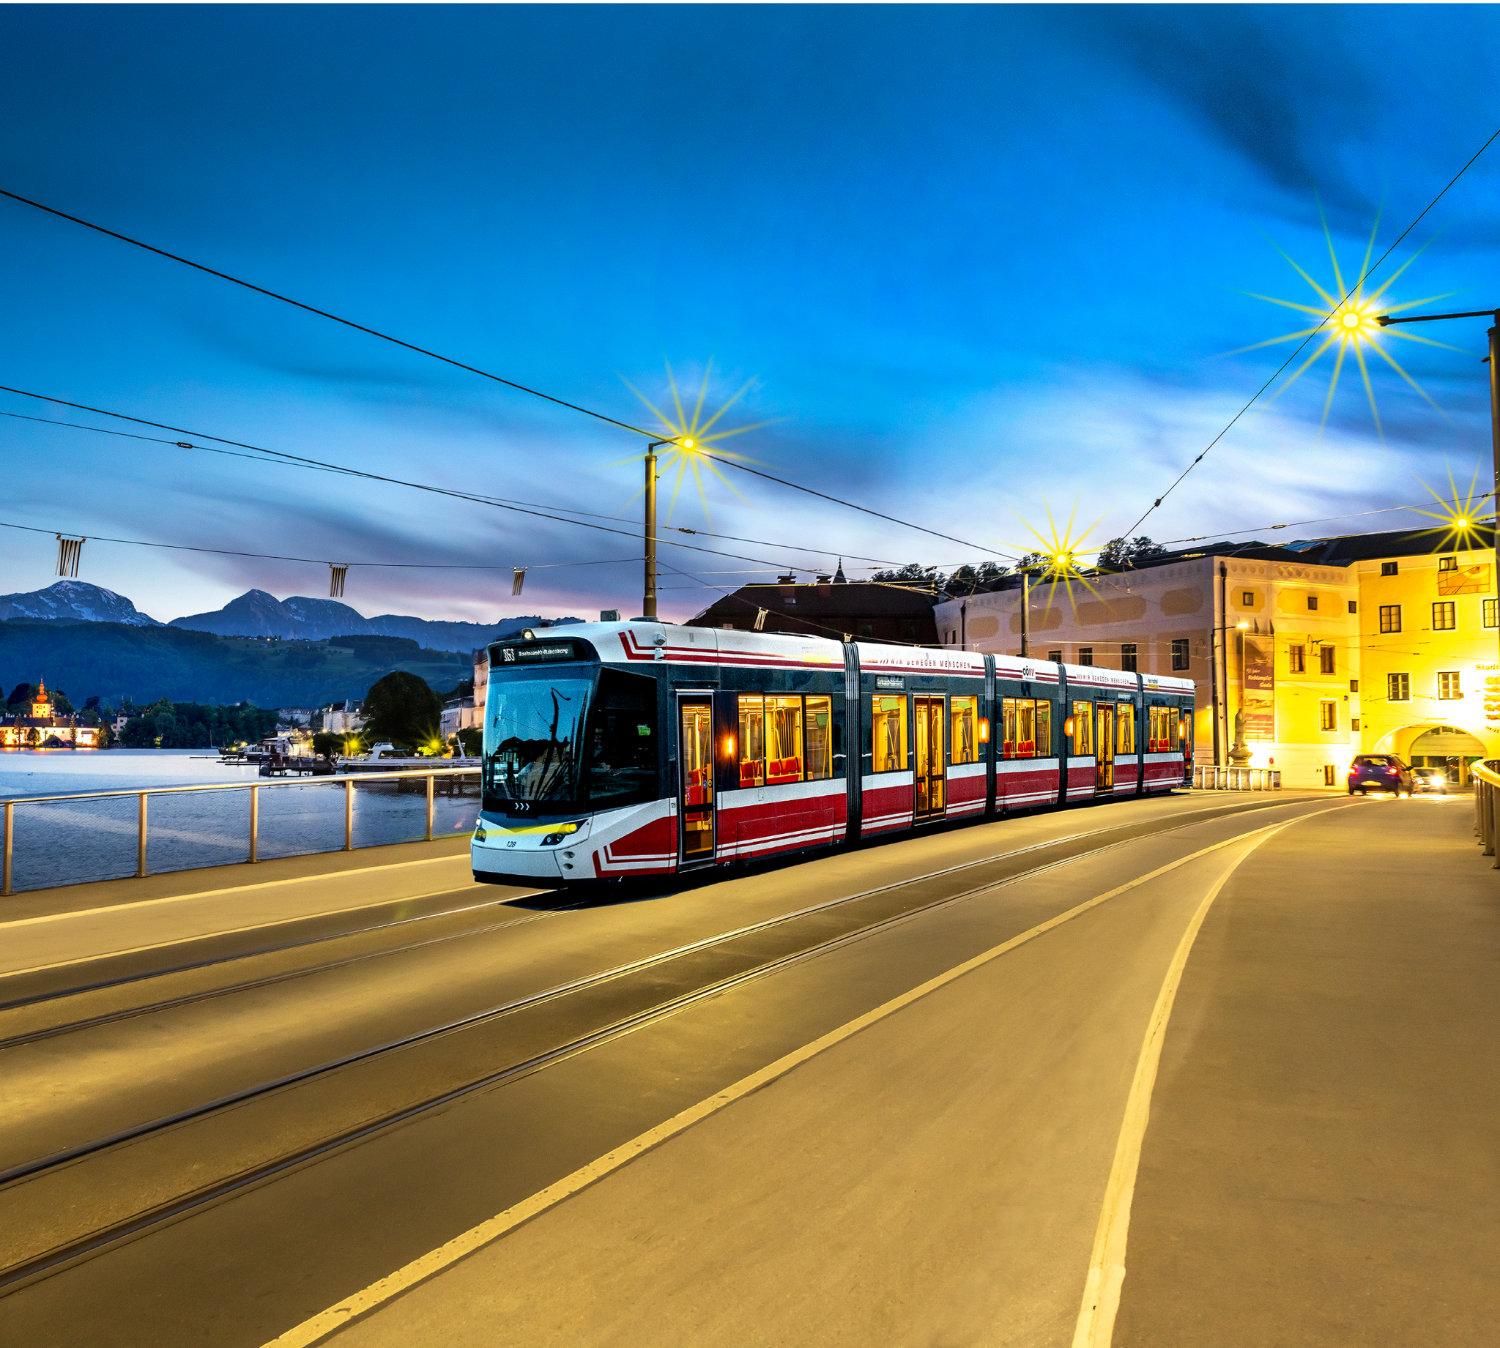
(648, 598)
(1387, 320)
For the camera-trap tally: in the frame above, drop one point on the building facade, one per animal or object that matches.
(1303, 655)
(40, 727)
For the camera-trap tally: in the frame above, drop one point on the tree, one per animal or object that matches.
(913, 573)
(327, 744)
(969, 579)
(401, 708)
(1121, 554)
(21, 693)
(470, 741)
(62, 704)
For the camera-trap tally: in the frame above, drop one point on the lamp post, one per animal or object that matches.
(1387, 320)
(648, 597)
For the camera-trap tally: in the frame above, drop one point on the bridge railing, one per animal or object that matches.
(1486, 779)
(1210, 778)
(69, 839)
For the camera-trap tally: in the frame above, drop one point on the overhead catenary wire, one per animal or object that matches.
(319, 561)
(263, 455)
(462, 365)
(1365, 275)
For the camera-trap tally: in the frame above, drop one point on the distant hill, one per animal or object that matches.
(74, 601)
(108, 660)
(258, 614)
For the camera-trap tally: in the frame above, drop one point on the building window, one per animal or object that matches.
(1353, 606)
(1247, 598)
(1325, 659)
(1388, 568)
(1354, 685)
(1442, 616)
(1127, 657)
(1085, 655)
(1328, 714)
(1328, 774)
(1312, 603)
(1055, 657)
(1491, 614)
(1447, 563)
(1354, 723)
(1390, 617)
(1296, 659)
(1398, 687)
(1179, 653)
(1448, 688)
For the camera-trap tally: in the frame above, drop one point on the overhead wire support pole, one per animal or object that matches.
(648, 594)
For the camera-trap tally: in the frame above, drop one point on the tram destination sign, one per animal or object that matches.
(539, 653)
(889, 681)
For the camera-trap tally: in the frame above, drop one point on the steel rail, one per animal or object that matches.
(81, 1247)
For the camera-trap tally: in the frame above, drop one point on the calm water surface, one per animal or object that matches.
(71, 841)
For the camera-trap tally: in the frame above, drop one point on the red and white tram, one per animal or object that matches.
(644, 748)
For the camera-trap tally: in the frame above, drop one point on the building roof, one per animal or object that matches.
(829, 604)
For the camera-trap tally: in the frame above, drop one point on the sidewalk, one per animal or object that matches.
(1322, 1164)
(75, 923)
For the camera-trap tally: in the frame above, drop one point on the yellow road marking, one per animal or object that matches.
(1106, 1275)
(371, 1298)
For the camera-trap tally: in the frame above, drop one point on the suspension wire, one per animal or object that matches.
(277, 456)
(320, 561)
(1368, 272)
(457, 364)
(1326, 519)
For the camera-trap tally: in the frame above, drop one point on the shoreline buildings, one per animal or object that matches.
(43, 728)
(1305, 654)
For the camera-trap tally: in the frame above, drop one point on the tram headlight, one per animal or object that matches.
(561, 834)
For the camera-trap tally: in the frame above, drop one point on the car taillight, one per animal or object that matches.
(1392, 771)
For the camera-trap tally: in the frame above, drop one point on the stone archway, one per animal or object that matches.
(1447, 747)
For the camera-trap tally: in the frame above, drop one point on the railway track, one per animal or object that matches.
(482, 1049)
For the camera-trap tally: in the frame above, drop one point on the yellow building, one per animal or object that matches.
(1303, 655)
(43, 728)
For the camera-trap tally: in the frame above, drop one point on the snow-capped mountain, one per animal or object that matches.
(74, 601)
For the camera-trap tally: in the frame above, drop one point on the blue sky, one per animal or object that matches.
(973, 259)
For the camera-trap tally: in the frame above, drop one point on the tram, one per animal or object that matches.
(614, 750)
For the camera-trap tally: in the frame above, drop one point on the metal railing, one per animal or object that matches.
(456, 778)
(1210, 778)
(1486, 779)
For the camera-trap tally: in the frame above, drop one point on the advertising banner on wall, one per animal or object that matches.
(1259, 685)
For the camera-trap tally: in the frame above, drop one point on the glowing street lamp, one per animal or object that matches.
(648, 598)
(1387, 320)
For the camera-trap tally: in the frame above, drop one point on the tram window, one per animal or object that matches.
(963, 729)
(1044, 730)
(1163, 732)
(622, 740)
(1125, 729)
(1008, 728)
(1028, 728)
(783, 740)
(752, 740)
(1083, 728)
(888, 733)
(819, 738)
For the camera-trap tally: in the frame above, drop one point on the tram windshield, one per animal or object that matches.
(559, 741)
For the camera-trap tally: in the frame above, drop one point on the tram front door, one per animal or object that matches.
(695, 790)
(931, 783)
(1104, 748)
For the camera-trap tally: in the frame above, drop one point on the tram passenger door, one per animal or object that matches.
(695, 787)
(931, 783)
(1104, 747)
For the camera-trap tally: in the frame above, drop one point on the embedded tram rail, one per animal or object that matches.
(366, 1092)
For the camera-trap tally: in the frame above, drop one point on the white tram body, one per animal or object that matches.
(623, 749)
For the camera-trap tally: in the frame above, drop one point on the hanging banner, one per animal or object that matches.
(1466, 580)
(1259, 687)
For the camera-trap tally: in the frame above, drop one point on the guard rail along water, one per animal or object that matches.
(1236, 779)
(67, 839)
(1486, 778)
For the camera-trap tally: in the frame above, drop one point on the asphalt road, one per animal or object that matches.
(892, 1120)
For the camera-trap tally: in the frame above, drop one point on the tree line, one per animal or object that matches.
(1119, 554)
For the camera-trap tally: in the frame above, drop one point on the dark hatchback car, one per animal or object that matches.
(1379, 772)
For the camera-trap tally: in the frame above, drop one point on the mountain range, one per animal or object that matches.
(258, 614)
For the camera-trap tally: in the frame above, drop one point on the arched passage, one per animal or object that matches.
(1446, 747)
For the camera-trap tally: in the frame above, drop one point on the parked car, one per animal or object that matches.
(1429, 779)
(1379, 772)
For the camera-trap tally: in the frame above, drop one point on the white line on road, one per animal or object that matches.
(326, 1323)
(1101, 1293)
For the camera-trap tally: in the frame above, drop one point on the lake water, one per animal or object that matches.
(71, 841)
